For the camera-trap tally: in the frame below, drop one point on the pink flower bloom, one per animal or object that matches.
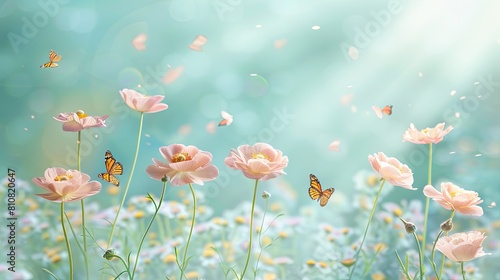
(142, 103)
(426, 136)
(456, 198)
(66, 185)
(463, 246)
(79, 121)
(392, 170)
(260, 161)
(185, 165)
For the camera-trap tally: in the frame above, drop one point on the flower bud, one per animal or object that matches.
(447, 225)
(266, 195)
(409, 226)
(348, 262)
(109, 254)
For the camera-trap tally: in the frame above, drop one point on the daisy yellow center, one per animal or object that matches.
(372, 180)
(456, 192)
(260, 156)
(348, 262)
(81, 114)
(181, 157)
(397, 212)
(65, 177)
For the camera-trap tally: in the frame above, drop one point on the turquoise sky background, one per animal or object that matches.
(412, 55)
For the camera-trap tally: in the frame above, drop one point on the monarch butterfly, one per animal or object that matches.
(317, 193)
(113, 168)
(53, 57)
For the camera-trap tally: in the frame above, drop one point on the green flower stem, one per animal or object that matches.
(420, 258)
(70, 256)
(129, 180)
(161, 229)
(366, 230)
(184, 264)
(260, 235)
(251, 229)
(432, 254)
(463, 271)
(444, 257)
(427, 200)
(149, 227)
(169, 228)
(78, 148)
(82, 203)
(127, 269)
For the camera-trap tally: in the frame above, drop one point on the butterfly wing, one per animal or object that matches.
(109, 161)
(113, 167)
(109, 178)
(49, 64)
(54, 57)
(315, 189)
(325, 196)
(223, 123)
(116, 169)
(387, 110)
(377, 111)
(113, 180)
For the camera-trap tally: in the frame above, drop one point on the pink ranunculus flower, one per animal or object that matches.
(79, 120)
(456, 198)
(260, 161)
(426, 136)
(142, 103)
(66, 185)
(463, 246)
(392, 170)
(185, 165)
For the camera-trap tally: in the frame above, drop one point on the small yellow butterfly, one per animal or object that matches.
(113, 168)
(317, 193)
(53, 57)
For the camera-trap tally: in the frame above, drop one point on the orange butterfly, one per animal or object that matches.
(113, 168)
(53, 57)
(317, 193)
(386, 110)
(227, 119)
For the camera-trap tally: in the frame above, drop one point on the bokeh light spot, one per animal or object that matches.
(130, 77)
(256, 85)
